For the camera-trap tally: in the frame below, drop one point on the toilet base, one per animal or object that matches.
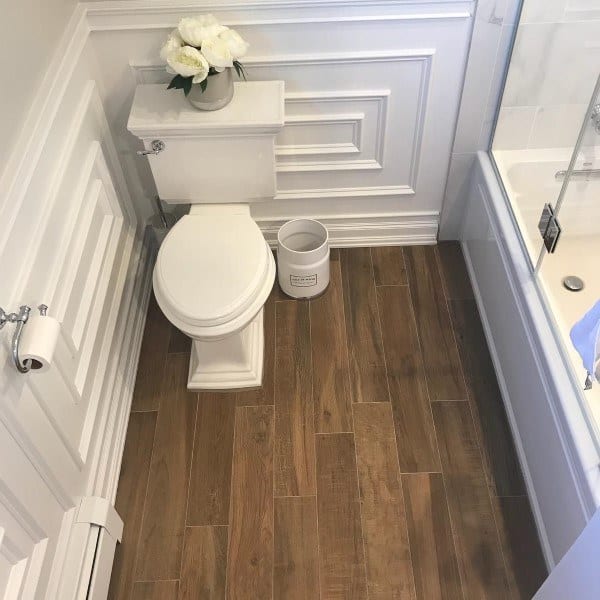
(232, 362)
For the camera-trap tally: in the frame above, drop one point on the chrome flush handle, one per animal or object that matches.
(157, 146)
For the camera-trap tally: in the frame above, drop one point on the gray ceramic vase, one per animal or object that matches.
(218, 93)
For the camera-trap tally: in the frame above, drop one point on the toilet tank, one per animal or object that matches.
(226, 155)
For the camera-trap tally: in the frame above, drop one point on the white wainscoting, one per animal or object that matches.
(372, 93)
(70, 239)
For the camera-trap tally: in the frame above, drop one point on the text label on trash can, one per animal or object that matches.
(303, 280)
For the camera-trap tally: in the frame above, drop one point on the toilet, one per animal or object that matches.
(214, 269)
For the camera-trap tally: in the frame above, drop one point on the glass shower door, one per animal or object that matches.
(570, 276)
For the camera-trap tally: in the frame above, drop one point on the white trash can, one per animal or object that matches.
(303, 258)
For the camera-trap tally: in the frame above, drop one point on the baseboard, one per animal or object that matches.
(379, 230)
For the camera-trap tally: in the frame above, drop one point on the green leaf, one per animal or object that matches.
(176, 83)
(187, 85)
(239, 69)
(203, 85)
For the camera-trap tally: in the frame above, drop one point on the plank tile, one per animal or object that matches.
(341, 558)
(155, 345)
(520, 544)
(440, 355)
(432, 548)
(161, 539)
(265, 393)
(331, 387)
(155, 590)
(387, 552)
(204, 563)
(294, 408)
(365, 345)
(210, 476)
(179, 343)
(500, 458)
(455, 277)
(250, 554)
(130, 499)
(296, 569)
(477, 544)
(388, 265)
(415, 435)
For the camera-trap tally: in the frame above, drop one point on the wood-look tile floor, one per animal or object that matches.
(375, 463)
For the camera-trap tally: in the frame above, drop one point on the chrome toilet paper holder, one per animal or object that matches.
(20, 319)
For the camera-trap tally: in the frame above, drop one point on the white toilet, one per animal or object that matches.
(214, 270)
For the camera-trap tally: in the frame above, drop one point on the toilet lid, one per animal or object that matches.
(209, 267)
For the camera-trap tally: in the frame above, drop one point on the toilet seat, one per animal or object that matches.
(213, 273)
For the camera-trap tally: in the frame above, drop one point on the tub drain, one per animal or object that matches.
(573, 283)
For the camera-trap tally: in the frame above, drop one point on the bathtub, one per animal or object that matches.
(556, 441)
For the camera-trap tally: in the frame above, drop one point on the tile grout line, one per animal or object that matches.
(499, 544)
(387, 380)
(235, 414)
(360, 510)
(421, 355)
(273, 390)
(385, 361)
(479, 439)
(437, 444)
(346, 345)
(189, 482)
(463, 588)
(139, 535)
(312, 395)
(445, 293)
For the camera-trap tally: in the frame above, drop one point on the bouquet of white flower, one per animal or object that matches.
(201, 47)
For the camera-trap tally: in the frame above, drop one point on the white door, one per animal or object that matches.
(577, 575)
(66, 240)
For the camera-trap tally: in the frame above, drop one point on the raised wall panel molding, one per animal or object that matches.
(331, 155)
(358, 192)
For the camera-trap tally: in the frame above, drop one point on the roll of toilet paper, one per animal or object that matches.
(38, 342)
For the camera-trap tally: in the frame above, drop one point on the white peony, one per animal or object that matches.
(216, 51)
(195, 30)
(174, 42)
(235, 43)
(188, 62)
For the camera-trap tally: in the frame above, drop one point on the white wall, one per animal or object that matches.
(386, 77)
(30, 31)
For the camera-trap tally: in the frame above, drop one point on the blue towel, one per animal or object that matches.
(585, 335)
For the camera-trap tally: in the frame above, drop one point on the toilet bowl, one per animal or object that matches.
(213, 274)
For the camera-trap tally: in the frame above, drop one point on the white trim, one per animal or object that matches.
(148, 14)
(356, 192)
(370, 230)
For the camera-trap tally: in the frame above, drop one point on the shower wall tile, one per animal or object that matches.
(495, 95)
(543, 11)
(553, 63)
(557, 126)
(514, 127)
